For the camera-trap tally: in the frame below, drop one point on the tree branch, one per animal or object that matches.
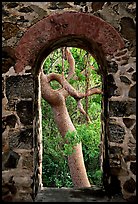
(80, 107)
(71, 62)
(69, 88)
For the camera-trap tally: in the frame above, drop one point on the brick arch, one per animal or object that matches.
(66, 29)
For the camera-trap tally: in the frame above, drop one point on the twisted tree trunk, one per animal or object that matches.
(75, 161)
(56, 99)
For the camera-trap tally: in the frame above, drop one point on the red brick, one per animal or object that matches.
(67, 29)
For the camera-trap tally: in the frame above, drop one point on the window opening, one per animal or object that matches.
(81, 70)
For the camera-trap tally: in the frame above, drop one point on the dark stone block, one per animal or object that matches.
(62, 5)
(26, 10)
(134, 76)
(131, 69)
(110, 79)
(22, 139)
(130, 185)
(97, 5)
(6, 64)
(9, 30)
(86, 8)
(12, 5)
(128, 29)
(133, 167)
(25, 112)
(128, 122)
(132, 92)
(130, 158)
(125, 80)
(26, 139)
(10, 120)
(53, 5)
(8, 58)
(5, 13)
(112, 67)
(19, 87)
(111, 85)
(11, 160)
(115, 186)
(116, 133)
(122, 108)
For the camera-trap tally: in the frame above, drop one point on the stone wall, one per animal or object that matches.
(21, 110)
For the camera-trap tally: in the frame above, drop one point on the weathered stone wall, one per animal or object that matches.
(21, 113)
(122, 122)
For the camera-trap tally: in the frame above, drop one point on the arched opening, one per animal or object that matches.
(80, 43)
(82, 72)
(59, 30)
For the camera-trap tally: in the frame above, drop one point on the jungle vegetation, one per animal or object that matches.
(85, 76)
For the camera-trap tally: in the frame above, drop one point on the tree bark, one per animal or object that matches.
(56, 98)
(75, 160)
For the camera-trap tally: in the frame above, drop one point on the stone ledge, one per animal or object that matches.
(93, 194)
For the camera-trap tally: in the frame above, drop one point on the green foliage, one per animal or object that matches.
(73, 138)
(55, 167)
(90, 137)
(55, 151)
